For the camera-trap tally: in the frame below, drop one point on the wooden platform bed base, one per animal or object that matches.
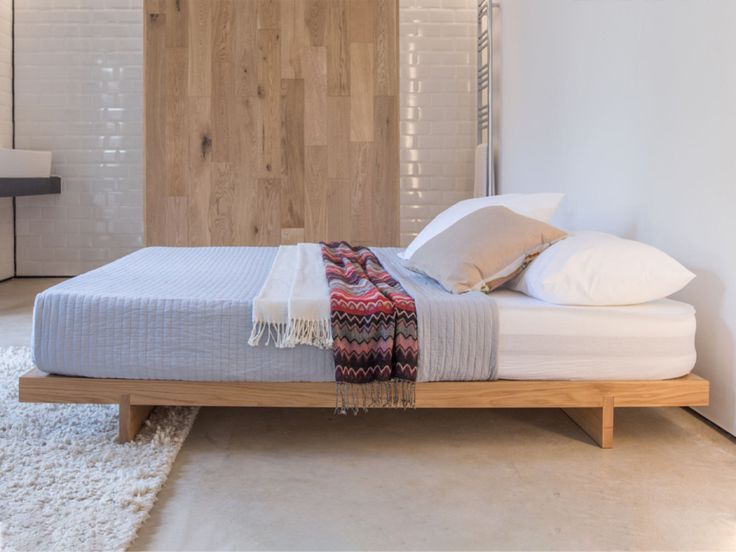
(590, 404)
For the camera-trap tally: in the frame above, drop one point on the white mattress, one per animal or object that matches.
(184, 314)
(539, 340)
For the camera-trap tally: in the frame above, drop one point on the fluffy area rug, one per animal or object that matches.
(64, 482)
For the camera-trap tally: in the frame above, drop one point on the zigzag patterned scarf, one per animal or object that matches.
(374, 330)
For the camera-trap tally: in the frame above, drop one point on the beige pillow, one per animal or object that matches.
(483, 250)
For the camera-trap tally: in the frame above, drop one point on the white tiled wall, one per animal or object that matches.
(79, 93)
(6, 134)
(438, 117)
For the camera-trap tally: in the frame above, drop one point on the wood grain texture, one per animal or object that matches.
(292, 147)
(294, 40)
(361, 97)
(589, 403)
(271, 121)
(337, 40)
(386, 40)
(177, 24)
(596, 422)
(315, 20)
(155, 126)
(315, 188)
(690, 390)
(316, 119)
(199, 158)
(131, 418)
(199, 49)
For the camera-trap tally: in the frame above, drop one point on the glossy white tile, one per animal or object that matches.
(79, 93)
(437, 108)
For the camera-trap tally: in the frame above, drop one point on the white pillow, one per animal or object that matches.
(593, 268)
(536, 206)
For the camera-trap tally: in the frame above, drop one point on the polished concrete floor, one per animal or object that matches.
(430, 480)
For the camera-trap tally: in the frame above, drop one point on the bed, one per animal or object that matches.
(170, 326)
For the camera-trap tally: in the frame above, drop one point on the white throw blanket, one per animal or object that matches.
(293, 307)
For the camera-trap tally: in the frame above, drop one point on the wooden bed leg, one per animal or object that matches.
(131, 418)
(596, 422)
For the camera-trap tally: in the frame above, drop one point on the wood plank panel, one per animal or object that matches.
(361, 98)
(267, 202)
(223, 47)
(200, 48)
(338, 137)
(176, 92)
(177, 220)
(315, 21)
(155, 106)
(269, 14)
(223, 83)
(292, 235)
(690, 390)
(292, 165)
(362, 23)
(590, 404)
(177, 23)
(199, 158)
(246, 51)
(362, 182)
(177, 151)
(269, 108)
(316, 119)
(315, 194)
(337, 40)
(385, 197)
(340, 224)
(293, 38)
(386, 43)
(221, 199)
(271, 121)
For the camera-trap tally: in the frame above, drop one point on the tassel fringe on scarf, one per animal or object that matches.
(376, 394)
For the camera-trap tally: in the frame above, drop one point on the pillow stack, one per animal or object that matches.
(481, 244)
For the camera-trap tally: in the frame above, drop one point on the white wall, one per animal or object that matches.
(438, 131)
(6, 133)
(79, 93)
(630, 108)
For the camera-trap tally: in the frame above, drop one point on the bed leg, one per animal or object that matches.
(130, 418)
(596, 422)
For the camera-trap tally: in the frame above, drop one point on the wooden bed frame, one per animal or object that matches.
(590, 404)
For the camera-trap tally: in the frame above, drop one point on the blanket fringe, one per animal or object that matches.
(354, 397)
(317, 333)
(274, 333)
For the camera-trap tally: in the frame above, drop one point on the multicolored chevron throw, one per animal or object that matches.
(374, 330)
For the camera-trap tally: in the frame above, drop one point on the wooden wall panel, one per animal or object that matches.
(271, 121)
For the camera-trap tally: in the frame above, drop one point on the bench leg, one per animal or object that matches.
(131, 418)
(596, 422)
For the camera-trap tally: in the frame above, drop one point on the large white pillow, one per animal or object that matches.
(536, 206)
(594, 268)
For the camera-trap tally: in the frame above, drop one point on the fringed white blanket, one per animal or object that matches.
(293, 307)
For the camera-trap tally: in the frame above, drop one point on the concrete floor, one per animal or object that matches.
(494, 479)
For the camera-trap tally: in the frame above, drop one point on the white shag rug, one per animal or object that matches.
(64, 482)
